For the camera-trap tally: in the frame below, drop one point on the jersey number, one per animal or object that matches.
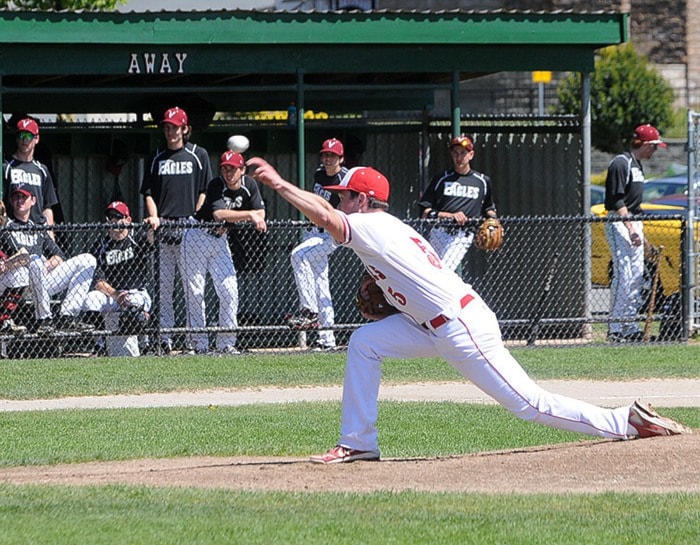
(400, 298)
(431, 255)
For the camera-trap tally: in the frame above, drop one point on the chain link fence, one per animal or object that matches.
(543, 285)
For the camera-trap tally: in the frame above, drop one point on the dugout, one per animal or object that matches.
(377, 76)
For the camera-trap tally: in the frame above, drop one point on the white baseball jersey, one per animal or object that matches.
(405, 266)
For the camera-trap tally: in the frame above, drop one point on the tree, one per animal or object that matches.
(60, 5)
(626, 91)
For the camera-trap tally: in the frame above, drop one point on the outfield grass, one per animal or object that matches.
(139, 515)
(31, 379)
(116, 515)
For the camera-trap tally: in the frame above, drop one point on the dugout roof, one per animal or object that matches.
(261, 60)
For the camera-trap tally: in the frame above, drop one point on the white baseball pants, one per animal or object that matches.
(73, 275)
(310, 266)
(202, 253)
(628, 276)
(118, 345)
(14, 278)
(451, 247)
(472, 344)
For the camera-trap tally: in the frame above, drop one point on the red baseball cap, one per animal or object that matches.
(175, 116)
(462, 140)
(120, 207)
(232, 158)
(332, 145)
(648, 134)
(364, 180)
(28, 125)
(23, 190)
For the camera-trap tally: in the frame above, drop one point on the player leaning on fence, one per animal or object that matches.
(440, 315)
(173, 185)
(459, 195)
(231, 197)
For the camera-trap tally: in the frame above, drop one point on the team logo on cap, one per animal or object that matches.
(29, 125)
(333, 145)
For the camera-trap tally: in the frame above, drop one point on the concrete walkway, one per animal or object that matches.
(660, 393)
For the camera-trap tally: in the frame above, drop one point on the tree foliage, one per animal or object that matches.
(60, 5)
(626, 91)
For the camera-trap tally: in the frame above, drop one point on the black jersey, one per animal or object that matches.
(123, 263)
(33, 176)
(452, 192)
(35, 241)
(624, 184)
(220, 197)
(321, 180)
(176, 178)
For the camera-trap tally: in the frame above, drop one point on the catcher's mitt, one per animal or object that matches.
(371, 302)
(489, 237)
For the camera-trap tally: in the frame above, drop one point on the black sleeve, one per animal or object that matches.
(426, 200)
(49, 247)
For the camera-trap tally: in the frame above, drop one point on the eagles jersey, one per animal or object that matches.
(123, 263)
(452, 192)
(36, 242)
(35, 177)
(321, 180)
(624, 184)
(220, 197)
(176, 178)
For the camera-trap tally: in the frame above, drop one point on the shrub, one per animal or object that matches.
(626, 91)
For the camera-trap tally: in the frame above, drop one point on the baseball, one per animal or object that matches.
(238, 143)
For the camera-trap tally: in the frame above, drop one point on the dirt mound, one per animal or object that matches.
(664, 464)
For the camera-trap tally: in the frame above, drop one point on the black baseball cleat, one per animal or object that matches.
(636, 337)
(44, 327)
(9, 327)
(73, 323)
(303, 320)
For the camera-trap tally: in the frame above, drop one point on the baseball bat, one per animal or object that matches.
(652, 300)
(539, 310)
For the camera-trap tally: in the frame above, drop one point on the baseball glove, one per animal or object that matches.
(133, 321)
(489, 237)
(371, 302)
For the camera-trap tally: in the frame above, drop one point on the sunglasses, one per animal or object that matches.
(115, 216)
(25, 136)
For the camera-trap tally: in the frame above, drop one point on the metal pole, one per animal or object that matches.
(301, 150)
(1, 131)
(540, 87)
(586, 185)
(455, 104)
(690, 288)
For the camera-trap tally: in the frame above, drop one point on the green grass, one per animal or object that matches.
(295, 429)
(30, 379)
(138, 515)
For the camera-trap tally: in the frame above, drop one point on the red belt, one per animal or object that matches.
(440, 320)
